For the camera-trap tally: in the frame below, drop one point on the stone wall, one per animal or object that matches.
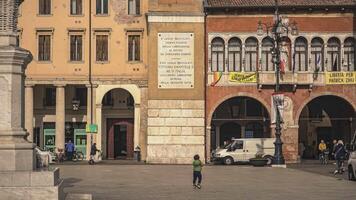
(175, 131)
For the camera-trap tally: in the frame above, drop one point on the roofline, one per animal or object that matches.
(206, 6)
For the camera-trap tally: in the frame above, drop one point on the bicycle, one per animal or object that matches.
(78, 156)
(324, 158)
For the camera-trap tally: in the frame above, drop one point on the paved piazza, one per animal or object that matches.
(156, 182)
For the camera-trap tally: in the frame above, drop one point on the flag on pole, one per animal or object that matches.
(216, 78)
(282, 65)
(335, 64)
(318, 62)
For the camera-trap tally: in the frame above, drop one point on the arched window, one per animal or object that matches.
(267, 61)
(301, 54)
(235, 56)
(333, 52)
(317, 55)
(350, 54)
(251, 54)
(217, 55)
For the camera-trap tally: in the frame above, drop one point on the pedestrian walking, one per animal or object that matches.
(197, 167)
(340, 155)
(70, 150)
(93, 151)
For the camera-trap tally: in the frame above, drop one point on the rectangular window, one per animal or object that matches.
(102, 48)
(101, 7)
(44, 7)
(134, 7)
(44, 47)
(134, 48)
(76, 47)
(50, 97)
(76, 7)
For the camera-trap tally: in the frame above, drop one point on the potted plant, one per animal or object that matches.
(258, 160)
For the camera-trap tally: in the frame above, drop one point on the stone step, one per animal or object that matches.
(78, 197)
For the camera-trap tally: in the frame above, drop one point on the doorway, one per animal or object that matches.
(120, 139)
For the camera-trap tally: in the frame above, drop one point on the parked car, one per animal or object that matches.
(242, 150)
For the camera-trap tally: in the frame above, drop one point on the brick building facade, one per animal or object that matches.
(240, 74)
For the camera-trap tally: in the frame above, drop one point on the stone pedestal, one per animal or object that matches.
(19, 178)
(29, 185)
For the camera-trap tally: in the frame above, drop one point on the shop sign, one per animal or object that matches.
(243, 77)
(91, 128)
(334, 78)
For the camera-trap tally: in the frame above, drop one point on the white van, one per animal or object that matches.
(241, 150)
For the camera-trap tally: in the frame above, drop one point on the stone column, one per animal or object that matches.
(243, 129)
(98, 137)
(137, 125)
(29, 111)
(91, 113)
(208, 143)
(60, 116)
(217, 136)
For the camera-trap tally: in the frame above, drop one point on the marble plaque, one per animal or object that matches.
(175, 60)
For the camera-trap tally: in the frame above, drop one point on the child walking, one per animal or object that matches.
(197, 167)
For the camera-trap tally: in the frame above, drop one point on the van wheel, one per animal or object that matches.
(351, 174)
(269, 158)
(228, 160)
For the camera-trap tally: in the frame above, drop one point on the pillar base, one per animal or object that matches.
(23, 185)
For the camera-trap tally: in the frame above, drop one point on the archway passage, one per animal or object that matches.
(118, 117)
(239, 117)
(325, 118)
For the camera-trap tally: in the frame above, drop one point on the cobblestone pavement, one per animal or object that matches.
(158, 182)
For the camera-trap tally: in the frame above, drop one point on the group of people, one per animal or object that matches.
(339, 152)
(70, 149)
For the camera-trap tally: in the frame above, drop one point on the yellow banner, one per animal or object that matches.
(243, 77)
(340, 78)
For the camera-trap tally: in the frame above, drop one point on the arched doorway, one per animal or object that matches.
(239, 117)
(118, 121)
(324, 118)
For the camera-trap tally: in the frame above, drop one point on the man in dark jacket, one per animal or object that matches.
(340, 156)
(93, 151)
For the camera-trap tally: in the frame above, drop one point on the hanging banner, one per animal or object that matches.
(336, 78)
(277, 105)
(243, 77)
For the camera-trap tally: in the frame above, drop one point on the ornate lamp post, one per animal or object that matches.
(278, 29)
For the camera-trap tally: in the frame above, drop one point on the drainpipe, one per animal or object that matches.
(90, 74)
(205, 82)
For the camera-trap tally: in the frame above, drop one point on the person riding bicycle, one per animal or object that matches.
(322, 148)
(93, 151)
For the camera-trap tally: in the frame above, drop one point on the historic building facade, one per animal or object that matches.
(175, 81)
(89, 67)
(182, 77)
(317, 73)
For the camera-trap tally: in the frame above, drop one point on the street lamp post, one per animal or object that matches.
(277, 29)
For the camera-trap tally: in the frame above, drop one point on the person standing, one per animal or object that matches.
(70, 150)
(340, 154)
(197, 167)
(93, 151)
